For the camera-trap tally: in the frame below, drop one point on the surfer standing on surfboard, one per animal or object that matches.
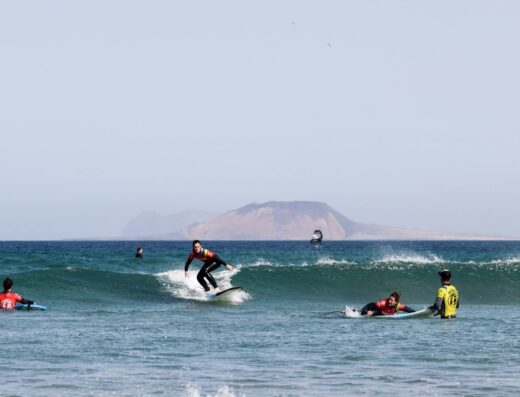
(211, 262)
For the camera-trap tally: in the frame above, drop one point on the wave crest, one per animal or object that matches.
(410, 259)
(180, 286)
(331, 261)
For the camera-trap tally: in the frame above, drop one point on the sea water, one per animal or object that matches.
(121, 326)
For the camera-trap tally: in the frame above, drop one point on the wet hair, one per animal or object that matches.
(195, 242)
(8, 283)
(139, 249)
(445, 275)
(396, 295)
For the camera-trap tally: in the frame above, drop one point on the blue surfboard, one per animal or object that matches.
(34, 306)
(402, 316)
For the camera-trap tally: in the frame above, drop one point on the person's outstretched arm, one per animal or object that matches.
(26, 302)
(221, 261)
(187, 264)
(437, 304)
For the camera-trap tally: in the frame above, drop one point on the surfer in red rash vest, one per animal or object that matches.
(386, 307)
(9, 299)
(211, 262)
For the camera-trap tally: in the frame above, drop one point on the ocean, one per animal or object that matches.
(120, 326)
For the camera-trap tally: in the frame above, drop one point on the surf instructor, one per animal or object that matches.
(447, 301)
(211, 262)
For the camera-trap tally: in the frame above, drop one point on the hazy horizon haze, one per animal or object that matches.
(400, 113)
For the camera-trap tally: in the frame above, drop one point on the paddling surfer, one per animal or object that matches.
(9, 299)
(386, 307)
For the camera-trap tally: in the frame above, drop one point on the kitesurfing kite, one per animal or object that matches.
(317, 236)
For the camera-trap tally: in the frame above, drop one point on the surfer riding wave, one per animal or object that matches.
(211, 262)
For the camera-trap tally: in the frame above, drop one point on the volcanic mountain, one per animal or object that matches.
(296, 220)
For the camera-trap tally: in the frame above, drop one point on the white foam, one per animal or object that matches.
(223, 391)
(322, 261)
(506, 261)
(184, 287)
(260, 262)
(351, 313)
(77, 268)
(331, 261)
(265, 263)
(409, 258)
(191, 391)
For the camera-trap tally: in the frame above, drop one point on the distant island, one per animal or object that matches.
(275, 220)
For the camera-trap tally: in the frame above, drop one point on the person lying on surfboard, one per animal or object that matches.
(386, 307)
(211, 262)
(8, 299)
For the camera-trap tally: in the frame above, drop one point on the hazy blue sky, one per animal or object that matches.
(402, 113)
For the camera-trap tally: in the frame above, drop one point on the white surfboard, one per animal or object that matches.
(354, 313)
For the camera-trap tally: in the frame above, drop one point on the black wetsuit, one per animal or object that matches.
(211, 262)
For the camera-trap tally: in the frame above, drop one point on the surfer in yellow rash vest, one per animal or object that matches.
(447, 301)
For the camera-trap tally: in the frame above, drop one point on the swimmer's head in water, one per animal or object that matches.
(8, 284)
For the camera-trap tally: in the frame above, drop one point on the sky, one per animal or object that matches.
(399, 113)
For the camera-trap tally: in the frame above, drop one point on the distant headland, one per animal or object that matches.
(275, 220)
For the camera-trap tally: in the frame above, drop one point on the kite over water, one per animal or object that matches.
(317, 236)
